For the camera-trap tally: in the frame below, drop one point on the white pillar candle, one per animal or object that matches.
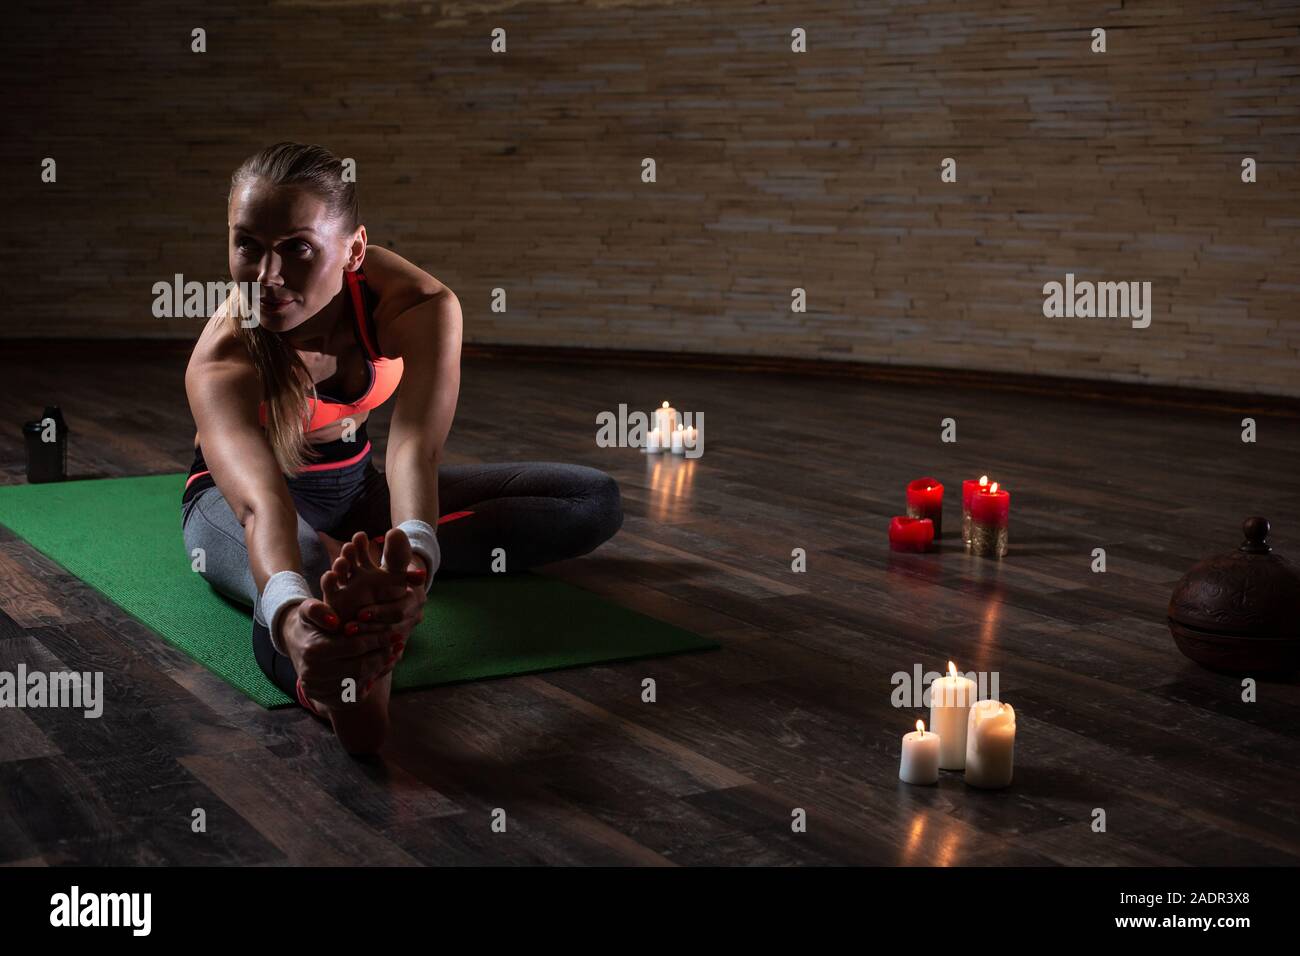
(677, 447)
(652, 444)
(950, 701)
(689, 437)
(990, 744)
(920, 762)
(666, 422)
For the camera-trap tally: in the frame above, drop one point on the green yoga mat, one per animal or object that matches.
(122, 536)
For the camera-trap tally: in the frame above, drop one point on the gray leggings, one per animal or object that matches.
(537, 512)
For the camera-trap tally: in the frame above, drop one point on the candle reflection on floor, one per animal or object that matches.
(989, 592)
(921, 852)
(669, 480)
(949, 846)
(915, 842)
(989, 630)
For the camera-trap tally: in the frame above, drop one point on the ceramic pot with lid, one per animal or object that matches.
(1239, 612)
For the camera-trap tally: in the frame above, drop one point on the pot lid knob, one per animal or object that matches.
(1256, 530)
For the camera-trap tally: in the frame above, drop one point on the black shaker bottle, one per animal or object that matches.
(47, 447)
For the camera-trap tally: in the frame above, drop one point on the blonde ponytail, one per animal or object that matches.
(287, 389)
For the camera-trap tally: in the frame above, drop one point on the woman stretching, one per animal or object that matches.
(293, 519)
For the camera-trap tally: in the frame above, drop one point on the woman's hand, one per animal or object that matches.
(399, 616)
(324, 656)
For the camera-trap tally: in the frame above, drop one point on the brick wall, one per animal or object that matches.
(776, 170)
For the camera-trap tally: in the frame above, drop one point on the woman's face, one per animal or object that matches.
(285, 238)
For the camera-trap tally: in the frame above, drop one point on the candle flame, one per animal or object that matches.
(920, 727)
(984, 480)
(665, 405)
(952, 669)
(993, 488)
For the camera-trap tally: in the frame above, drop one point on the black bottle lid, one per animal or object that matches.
(54, 412)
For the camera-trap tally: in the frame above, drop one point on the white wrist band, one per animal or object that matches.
(424, 542)
(282, 592)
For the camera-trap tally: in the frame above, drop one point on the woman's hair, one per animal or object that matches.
(286, 383)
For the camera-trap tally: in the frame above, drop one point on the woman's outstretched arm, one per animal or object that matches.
(428, 337)
(223, 390)
(425, 331)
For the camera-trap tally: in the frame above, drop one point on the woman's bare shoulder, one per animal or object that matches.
(390, 274)
(218, 349)
(400, 286)
(223, 388)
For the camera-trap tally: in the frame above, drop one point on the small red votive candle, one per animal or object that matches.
(910, 534)
(990, 513)
(925, 500)
(968, 489)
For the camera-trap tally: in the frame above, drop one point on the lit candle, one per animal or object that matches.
(925, 500)
(652, 443)
(990, 744)
(689, 437)
(968, 489)
(990, 510)
(950, 702)
(677, 447)
(920, 763)
(666, 422)
(910, 534)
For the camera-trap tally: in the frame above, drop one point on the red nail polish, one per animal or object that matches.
(367, 615)
(352, 628)
(331, 619)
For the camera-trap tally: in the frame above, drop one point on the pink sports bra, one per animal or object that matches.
(385, 373)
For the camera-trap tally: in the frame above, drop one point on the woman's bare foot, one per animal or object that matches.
(331, 666)
(353, 582)
(363, 727)
(356, 579)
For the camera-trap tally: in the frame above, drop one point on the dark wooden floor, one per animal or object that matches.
(793, 712)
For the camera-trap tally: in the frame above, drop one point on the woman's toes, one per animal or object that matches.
(397, 551)
(342, 567)
(329, 587)
(361, 541)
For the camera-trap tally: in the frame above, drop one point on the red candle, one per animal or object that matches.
(925, 500)
(910, 534)
(968, 490)
(969, 487)
(991, 506)
(990, 511)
